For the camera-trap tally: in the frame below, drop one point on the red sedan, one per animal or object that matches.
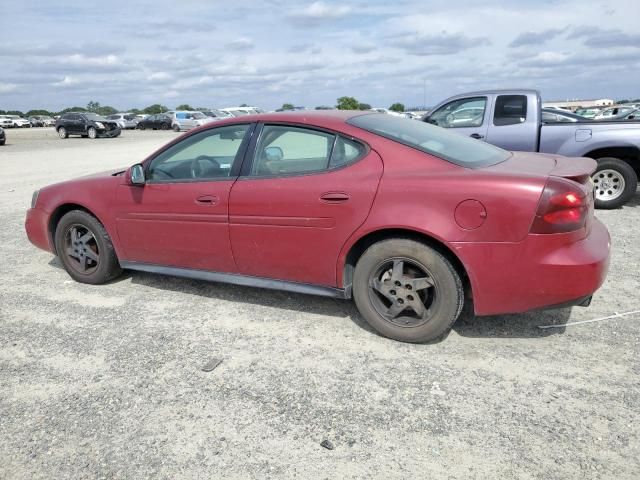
(407, 218)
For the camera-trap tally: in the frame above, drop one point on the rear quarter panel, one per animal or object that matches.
(577, 140)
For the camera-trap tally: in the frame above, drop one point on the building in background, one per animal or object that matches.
(573, 105)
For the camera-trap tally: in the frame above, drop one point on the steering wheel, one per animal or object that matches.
(158, 170)
(196, 167)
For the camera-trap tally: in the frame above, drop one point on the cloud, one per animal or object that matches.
(317, 14)
(240, 44)
(442, 44)
(8, 87)
(596, 37)
(363, 48)
(535, 38)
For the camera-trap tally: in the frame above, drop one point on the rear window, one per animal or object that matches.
(453, 147)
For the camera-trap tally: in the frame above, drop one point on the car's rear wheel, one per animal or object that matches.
(407, 291)
(62, 132)
(92, 132)
(165, 126)
(85, 249)
(176, 128)
(615, 183)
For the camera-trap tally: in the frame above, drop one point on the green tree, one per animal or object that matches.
(364, 106)
(154, 109)
(185, 106)
(135, 111)
(15, 112)
(106, 110)
(93, 106)
(72, 109)
(622, 101)
(39, 112)
(347, 103)
(287, 106)
(324, 107)
(397, 107)
(244, 105)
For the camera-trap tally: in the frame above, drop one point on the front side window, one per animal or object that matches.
(450, 146)
(510, 110)
(465, 112)
(205, 155)
(285, 150)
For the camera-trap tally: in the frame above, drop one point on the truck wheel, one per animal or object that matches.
(615, 183)
(407, 291)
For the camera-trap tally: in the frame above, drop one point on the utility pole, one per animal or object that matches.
(424, 93)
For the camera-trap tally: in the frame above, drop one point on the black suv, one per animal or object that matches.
(161, 121)
(86, 124)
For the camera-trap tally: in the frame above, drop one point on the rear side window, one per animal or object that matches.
(345, 151)
(450, 146)
(510, 110)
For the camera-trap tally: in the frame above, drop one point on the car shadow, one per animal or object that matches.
(522, 325)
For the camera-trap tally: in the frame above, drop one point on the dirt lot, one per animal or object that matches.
(106, 381)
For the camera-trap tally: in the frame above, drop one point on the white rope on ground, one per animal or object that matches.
(615, 315)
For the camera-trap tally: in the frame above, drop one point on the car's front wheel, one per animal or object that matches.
(140, 126)
(85, 249)
(615, 182)
(92, 132)
(407, 291)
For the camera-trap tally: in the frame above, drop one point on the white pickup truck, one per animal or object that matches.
(512, 119)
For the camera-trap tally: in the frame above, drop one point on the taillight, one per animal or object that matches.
(563, 207)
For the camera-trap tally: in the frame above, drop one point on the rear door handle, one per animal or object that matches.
(207, 200)
(335, 197)
(477, 136)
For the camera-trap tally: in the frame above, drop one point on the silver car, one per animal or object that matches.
(186, 120)
(125, 120)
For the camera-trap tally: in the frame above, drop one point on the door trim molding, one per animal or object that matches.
(236, 279)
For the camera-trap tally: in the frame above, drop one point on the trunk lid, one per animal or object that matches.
(578, 169)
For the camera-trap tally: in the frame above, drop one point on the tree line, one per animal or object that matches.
(343, 103)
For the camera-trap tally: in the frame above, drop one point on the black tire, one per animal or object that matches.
(92, 133)
(176, 128)
(2, 142)
(62, 132)
(606, 198)
(73, 252)
(140, 126)
(165, 126)
(441, 302)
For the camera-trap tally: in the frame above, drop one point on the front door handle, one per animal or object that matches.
(334, 197)
(477, 136)
(207, 200)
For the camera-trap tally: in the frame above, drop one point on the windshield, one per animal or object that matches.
(437, 141)
(113, 117)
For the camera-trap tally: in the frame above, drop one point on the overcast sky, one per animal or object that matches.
(221, 53)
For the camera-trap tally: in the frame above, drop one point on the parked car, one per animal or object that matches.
(3, 136)
(124, 120)
(216, 114)
(633, 115)
(613, 113)
(185, 120)
(556, 116)
(6, 122)
(86, 124)
(386, 110)
(41, 121)
(160, 121)
(18, 122)
(393, 213)
(512, 119)
(240, 111)
(588, 112)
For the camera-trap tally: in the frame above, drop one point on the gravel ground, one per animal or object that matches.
(106, 381)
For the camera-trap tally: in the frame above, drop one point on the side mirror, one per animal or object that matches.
(137, 175)
(273, 154)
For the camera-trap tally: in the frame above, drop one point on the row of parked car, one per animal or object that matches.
(627, 111)
(16, 121)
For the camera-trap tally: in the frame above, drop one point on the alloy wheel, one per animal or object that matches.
(81, 249)
(402, 292)
(609, 184)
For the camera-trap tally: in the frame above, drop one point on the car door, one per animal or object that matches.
(180, 216)
(72, 123)
(467, 116)
(514, 122)
(301, 196)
